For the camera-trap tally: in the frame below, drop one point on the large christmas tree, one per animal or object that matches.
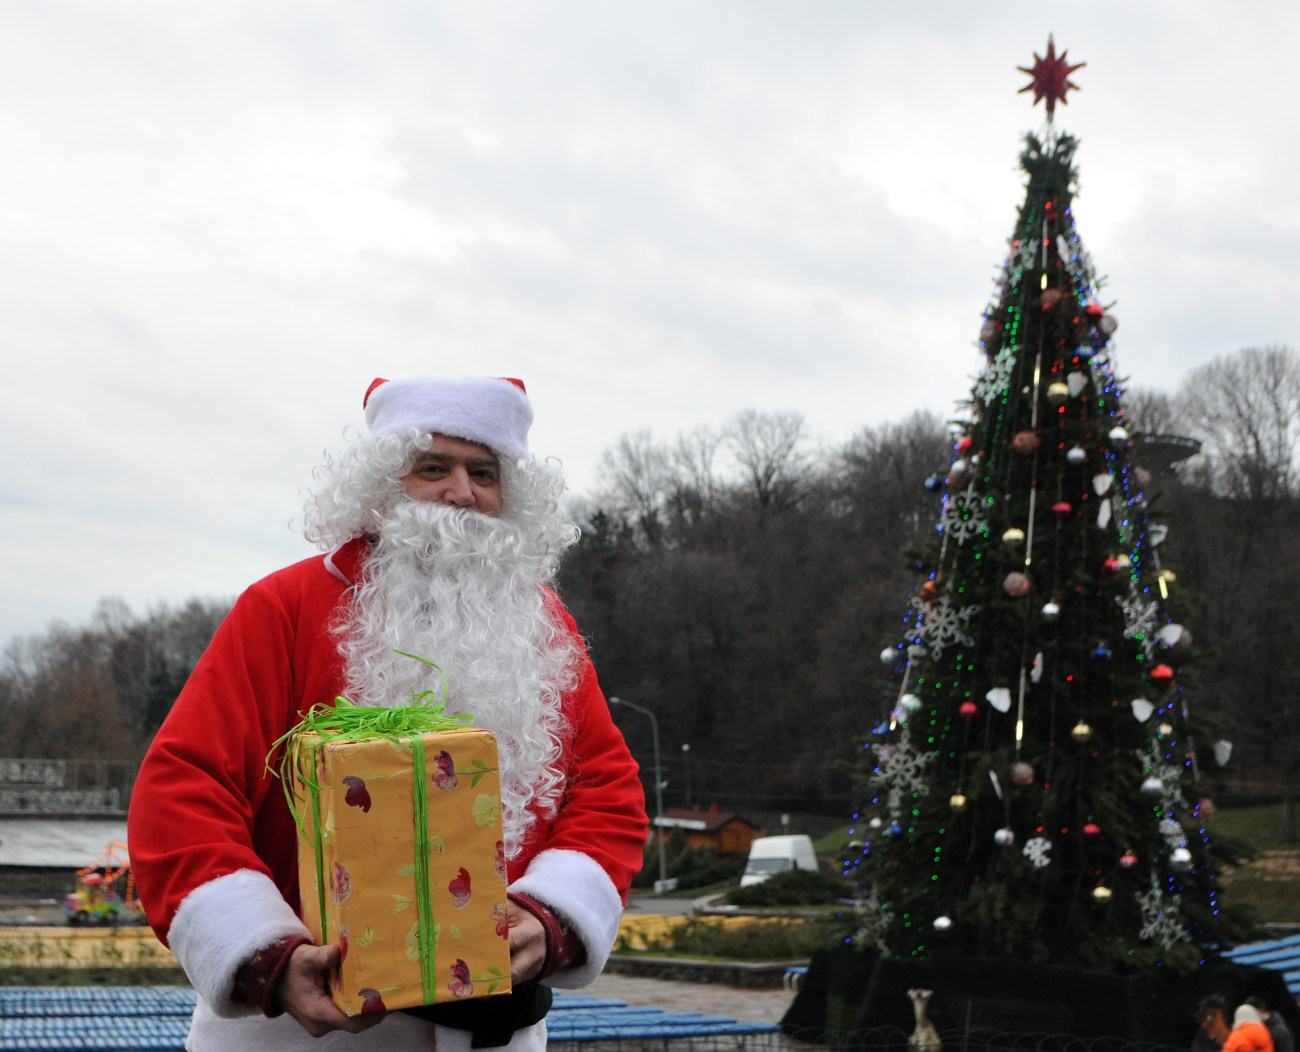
(1034, 791)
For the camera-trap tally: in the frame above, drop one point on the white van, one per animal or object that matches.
(769, 855)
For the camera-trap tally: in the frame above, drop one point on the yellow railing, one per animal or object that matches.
(636, 931)
(134, 947)
(138, 947)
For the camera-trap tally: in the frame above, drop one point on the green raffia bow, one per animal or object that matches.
(344, 721)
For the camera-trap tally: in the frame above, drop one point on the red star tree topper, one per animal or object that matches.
(1051, 78)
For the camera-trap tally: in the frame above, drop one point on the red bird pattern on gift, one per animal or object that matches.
(502, 918)
(373, 1001)
(444, 777)
(460, 889)
(357, 795)
(341, 885)
(460, 985)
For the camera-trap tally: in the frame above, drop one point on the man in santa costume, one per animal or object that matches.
(442, 535)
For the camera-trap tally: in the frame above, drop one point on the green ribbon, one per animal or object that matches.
(343, 721)
(423, 892)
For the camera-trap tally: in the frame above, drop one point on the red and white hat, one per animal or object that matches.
(491, 410)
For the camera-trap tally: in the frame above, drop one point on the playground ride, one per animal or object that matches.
(96, 900)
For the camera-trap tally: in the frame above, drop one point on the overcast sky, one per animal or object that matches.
(220, 221)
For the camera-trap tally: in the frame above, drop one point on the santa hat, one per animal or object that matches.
(493, 411)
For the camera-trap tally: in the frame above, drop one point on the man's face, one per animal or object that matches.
(458, 473)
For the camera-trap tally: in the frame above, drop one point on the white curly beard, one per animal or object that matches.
(464, 590)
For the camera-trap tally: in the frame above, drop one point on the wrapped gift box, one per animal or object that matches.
(401, 862)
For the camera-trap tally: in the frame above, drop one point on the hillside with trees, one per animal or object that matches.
(741, 581)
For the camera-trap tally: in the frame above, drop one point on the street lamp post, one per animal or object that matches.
(686, 764)
(662, 883)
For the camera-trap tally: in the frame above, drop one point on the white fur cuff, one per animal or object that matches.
(579, 891)
(221, 925)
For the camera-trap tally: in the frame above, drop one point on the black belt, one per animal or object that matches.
(493, 1020)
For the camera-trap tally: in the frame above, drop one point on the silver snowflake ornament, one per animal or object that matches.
(901, 771)
(1160, 917)
(1038, 850)
(963, 516)
(1139, 619)
(1025, 252)
(1174, 834)
(941, 624)
(1170, 776)
(873, 921)
(995, 376)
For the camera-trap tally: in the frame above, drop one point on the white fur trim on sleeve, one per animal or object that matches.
(581, 893)
(221, 925)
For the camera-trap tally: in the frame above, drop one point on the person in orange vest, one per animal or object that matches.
(1249, 1034)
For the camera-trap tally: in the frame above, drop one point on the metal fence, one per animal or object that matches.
(874, 1039)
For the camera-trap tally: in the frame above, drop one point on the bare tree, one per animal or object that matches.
(768, 449)
(1246, 409)
(636, 474)
(882, 470)
(693, 455)
(1151, 412)
(1234, 525)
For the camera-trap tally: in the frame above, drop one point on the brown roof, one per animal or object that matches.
(709, 821)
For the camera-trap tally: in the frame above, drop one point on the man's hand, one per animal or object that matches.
(304, 993)
(527, 944)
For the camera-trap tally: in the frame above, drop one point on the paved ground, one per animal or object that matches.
(748, 1006)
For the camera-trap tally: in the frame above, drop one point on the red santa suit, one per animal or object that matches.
(214, 847)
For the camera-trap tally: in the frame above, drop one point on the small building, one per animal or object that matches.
(726, 834)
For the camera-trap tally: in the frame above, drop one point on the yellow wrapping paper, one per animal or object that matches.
(359, 878)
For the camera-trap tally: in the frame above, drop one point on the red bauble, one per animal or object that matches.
(964, 443)
(1162, 675)
(969, 710)
(1091, 830)
(1095, 309)
(1111, 565)
(1016, 585)
(1024, 442)
(1128, 860)
(930, 591)
(1062, 510)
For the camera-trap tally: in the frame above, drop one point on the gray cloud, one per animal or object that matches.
(221, 222)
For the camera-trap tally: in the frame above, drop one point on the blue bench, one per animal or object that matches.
(106, 1019)
(1278, 955)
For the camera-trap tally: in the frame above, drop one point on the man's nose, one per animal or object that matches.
(458, 491)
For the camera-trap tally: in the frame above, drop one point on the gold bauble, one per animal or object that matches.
(957, 802)
(1081, 732)
(1102, 894)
